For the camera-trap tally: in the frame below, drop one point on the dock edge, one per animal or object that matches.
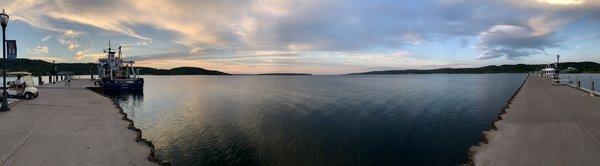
(151, 156)
(484, 135)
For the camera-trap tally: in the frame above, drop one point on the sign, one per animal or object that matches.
(11, 49)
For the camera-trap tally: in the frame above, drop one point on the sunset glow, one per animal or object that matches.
(320, 37)
(564, 2)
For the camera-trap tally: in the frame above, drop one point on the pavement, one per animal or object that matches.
(545, 125)
(68, 126)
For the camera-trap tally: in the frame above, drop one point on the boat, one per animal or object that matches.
(116, 74)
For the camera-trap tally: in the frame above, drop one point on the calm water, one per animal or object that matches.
(318, 120)
(585, 80)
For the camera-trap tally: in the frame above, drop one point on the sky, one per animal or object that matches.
(308, 36)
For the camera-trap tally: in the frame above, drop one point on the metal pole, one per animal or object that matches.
(55, 72)
(592, 83)
(4, 93)
(91, 74)
(40, 80)
(556, 76)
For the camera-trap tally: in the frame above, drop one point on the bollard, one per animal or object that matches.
(56, 78)
(578, 83)
(50, 78)
(40, 81)
(593, 86)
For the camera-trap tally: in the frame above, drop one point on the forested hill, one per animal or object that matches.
(586, 67)
(43, 67)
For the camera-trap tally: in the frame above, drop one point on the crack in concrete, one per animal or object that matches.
(29, 137)
(580, 123)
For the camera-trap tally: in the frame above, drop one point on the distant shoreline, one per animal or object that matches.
(286, 74)
(40, 67)
(581, 67)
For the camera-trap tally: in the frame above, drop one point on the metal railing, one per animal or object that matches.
(585, 82)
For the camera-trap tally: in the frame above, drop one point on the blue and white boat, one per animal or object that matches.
(116, 74)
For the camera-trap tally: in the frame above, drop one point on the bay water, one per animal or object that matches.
(429, 119)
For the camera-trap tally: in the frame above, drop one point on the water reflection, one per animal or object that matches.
(317, 120)
(131, 102)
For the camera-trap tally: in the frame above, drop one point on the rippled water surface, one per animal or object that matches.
(318, 120)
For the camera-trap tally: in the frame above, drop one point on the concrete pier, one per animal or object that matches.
(545, 125)
(68, 126)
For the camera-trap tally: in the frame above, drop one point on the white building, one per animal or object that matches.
(549, 72)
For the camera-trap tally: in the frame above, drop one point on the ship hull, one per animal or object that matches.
(122, 85)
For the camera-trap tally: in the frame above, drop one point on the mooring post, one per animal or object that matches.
(40, 82)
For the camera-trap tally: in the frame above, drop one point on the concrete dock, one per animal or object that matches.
(68, 126)
(545, 125)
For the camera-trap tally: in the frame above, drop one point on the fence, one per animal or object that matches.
(584, 81)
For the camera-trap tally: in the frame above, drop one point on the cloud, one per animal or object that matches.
(72, 33)
(72, 40)
(513, 41)
(534, 33)
(286, 32)
(562, 2)
(41, 50)
(331, 25)
(143, 43)
(82, 54)
(46, 38)
(71, 44)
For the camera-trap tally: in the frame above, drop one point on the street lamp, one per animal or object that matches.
(4, 22)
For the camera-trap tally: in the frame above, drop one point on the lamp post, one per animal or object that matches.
(4, 22)
(557, 70)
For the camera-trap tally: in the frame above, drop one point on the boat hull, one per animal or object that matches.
(122, 85)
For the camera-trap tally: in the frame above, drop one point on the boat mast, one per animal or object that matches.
(120, 56)
(111, 56)
(109, 48)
